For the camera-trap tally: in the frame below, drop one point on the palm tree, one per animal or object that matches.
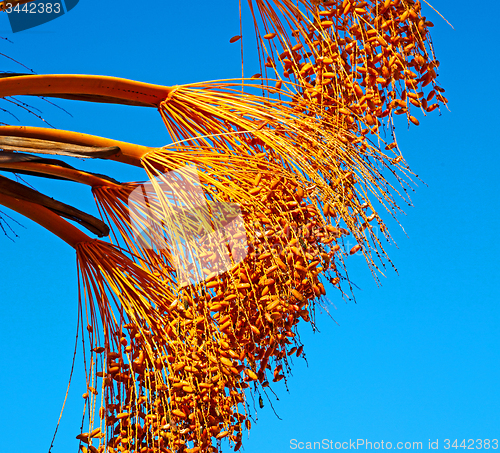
(210, 264)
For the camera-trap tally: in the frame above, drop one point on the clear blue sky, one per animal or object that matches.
(415, 359)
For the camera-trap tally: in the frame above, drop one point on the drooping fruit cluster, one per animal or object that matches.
(179, 383)
(360, 62)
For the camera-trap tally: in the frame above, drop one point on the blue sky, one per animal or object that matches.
(417, 358)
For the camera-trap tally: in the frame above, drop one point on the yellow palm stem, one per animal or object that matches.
(86, 88)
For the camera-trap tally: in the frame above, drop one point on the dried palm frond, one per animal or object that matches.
(24, 193)
(74, 144)
(57, 148)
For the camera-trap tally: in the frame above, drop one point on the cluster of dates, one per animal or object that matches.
(179, 383)
(361, 61)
